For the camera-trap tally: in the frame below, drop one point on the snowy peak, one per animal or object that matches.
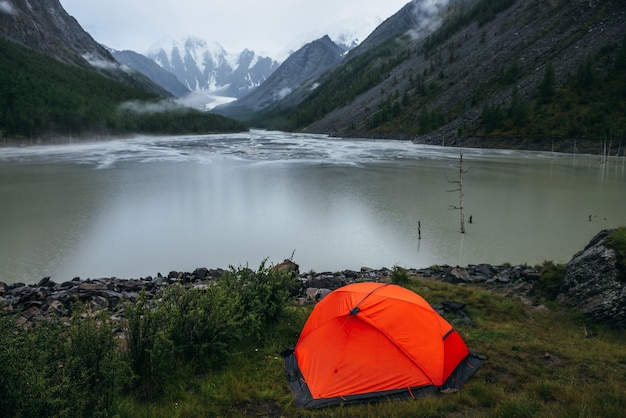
(302, 67)
(202, 65)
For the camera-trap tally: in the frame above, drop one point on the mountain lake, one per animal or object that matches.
(136, 207)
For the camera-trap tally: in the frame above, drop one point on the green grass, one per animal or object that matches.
(541, 364)
(217, 353)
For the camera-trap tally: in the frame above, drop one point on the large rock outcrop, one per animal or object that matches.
(45, 26)
(591, 283)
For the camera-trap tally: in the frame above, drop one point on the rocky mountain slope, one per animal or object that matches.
(435, 82)
(151, 70)
(299, 71)
(44, 26)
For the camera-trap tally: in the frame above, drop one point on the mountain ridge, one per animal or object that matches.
(151, 70)
(486, 55)
(300, 69)
(44, 26)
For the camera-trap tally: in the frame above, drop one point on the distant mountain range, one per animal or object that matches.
(210, 71)
(449, 71)
(200, 65)
(299, 71)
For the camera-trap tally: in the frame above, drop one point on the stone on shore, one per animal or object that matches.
(591, 284)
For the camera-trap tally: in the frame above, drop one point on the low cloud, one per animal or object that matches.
(428, 16)
(7, 8)
(101, 63)
(284, 92)
(158, 107)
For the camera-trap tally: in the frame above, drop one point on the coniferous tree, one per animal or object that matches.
(547, 88)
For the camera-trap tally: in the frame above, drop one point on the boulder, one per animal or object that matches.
(287, 266)
(311, 294)
(200, 273)
(590, 283)
(457, 275)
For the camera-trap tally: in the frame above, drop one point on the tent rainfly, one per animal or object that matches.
(368, 342)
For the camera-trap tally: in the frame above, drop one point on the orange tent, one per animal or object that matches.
(370, 341)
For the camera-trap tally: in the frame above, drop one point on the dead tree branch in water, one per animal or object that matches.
(459, 182)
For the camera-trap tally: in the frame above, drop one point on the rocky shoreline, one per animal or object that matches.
(48, 300)
(592, 284)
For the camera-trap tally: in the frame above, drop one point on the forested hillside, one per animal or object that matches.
(507, 69)
(42, 98)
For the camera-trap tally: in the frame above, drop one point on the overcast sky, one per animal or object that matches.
(267, 26)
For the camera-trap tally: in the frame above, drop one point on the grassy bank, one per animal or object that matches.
(216, 353)
(543, 361)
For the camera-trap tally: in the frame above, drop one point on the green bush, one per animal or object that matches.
(399, 276)
(550, 280)
(55, 370)
(205, 324)
(93, 370)
(85, 369)
(201, 327)
(264, 295)
(22, 372)
(149, 346)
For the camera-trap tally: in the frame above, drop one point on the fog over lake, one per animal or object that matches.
(133, 208)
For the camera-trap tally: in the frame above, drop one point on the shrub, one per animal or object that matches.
(54, 370)
(264, 294)
(550, 281)
(201, 327)
(23, 385)
(149, 347)
(399, 276)
(93, 371)
(205, 324)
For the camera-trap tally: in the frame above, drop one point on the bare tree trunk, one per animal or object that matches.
(461, 194)
(460, 190)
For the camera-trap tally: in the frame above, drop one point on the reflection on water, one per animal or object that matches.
(132, 208)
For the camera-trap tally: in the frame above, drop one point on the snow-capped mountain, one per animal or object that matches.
(302, 67)
(200, 65)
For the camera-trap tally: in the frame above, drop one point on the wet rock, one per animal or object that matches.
(484, 270)
(531, 274)
(503, 278)
(325, 280)
(453, 306)
(321, 294)
(200, 273)
(215, 273)
(457, 275)
(45, 282)
(311, 292)
(287, 266)
(350, 274)
(590, 283)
